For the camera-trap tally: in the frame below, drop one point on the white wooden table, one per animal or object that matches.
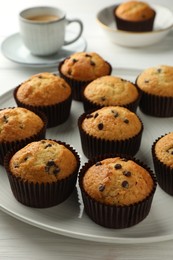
(22, 241)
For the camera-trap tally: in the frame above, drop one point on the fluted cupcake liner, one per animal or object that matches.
(6, 146)
(89, 105)
(42, 195)
(116, 217)
(76, 85)
(157, 106)
(137, 26)
(93, 146)
(163, 172)
(56, 114)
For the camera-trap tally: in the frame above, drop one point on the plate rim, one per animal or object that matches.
(35, 64)
(78, 235)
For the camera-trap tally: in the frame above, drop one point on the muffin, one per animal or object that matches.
(117, 191)
(43, 173)
(81, 68)
(155, 83)
(110, 91)
(112, 129)
(134, 16)
(46, 92)
(162, 152)
(18, 127)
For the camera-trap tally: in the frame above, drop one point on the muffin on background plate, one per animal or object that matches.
(111, 129)
(81, 68)
(48, 93)
(135, 16)
(18, 127)
(162, 152)
(110, 91)
(43, 173)
(117, 191)
(156, 86)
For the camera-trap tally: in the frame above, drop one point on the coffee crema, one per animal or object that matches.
(43, 18)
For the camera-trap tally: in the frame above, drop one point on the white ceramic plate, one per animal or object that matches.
(13, 49)
(68, 218)
(162, 26)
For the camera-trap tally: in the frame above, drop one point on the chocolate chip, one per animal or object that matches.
(125, 184)
(48, 145)
(5, 118)
(56, 171)
(40, 77)
(98, 163)
(100, 126)
(127, 173)
(50, 163)
(96, 115)
(74, 60)
(103, 98)
(87, 55)
(117, 166)
(146, 81)
(123, 80)
(92, 63)
(52, 168)
(115, 113)
(126, 121)
(159, 70)
(101, 187)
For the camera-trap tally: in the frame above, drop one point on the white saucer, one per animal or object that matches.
(13, 49)
(162, 25)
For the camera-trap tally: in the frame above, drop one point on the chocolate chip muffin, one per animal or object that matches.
(19, 126)
(162, 152)
(43, 173)
(117, 191)
(155, 83)
(81, 68)
(48, 93)
(110, 91)
(110, 129)
(134, 16)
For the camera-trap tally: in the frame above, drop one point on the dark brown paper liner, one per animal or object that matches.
(76, 85)
(56, 114)
(5, 146)
(116, 217)
(163, 172)
(42, 195)
(139, 26)
(93, 146)
(89, 105)
(156, 106)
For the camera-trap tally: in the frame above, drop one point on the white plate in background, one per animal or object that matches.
(162, 25)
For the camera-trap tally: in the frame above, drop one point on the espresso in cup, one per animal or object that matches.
(43, 28)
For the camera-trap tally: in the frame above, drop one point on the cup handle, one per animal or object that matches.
(79, 33)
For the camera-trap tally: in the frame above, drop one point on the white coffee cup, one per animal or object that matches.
(43, 29)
